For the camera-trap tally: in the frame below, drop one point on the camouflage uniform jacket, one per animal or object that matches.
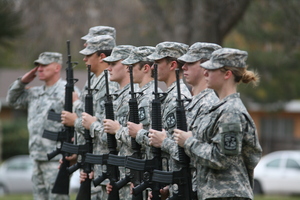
(144, 99)
(169, 121)
(99, 91)
(226, 150)
(38, 101)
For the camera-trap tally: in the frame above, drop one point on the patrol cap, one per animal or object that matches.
(198, 51)
(168, 49)
(101, 42)
(46, 58)
(226, 57)
(119, 53)
(100, 30)
(138, 54)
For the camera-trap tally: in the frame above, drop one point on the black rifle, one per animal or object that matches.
(62, 182)
(82, 150)
(181, 178)
(111, 160)
(135, 176)
(148, 166)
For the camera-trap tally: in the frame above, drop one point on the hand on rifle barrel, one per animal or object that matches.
(181, 136)
(156, 138)
(68, 118)
(111, 126)
(133, 128)
(87, 120)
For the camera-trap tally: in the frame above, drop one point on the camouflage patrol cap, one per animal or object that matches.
(100, 30)
(101, 42)
(198, 51)
(46, 58)
(226, 57)
(119, 53)
(139, 54)
(168, 49)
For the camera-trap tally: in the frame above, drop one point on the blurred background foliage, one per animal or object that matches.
(268, 29)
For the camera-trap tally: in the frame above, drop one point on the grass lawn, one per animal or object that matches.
(73, 197)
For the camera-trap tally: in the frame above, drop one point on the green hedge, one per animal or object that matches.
(15, 138)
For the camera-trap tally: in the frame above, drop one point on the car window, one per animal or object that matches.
(274, 163)
(292, 164)
(18, 166)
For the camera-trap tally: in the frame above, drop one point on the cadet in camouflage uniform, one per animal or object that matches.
(143, 76)
(97, 49)
(38, 101)
(225, 146)
(165, 56)
(119, 73)
(99, 30)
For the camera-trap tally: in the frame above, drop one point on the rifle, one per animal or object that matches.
(62, 182)
(111, 160)
(82, 150)
(148, 166)
(134, 176)
(181, 178)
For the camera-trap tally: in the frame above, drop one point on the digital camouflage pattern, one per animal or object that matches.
(168, 49)
(98, 43)
(120, 52)
(100, 30)
(169, 121)
(99, 147)
(198, 51)
(39, 101)
(46, 58)
(226, 57)
(139, 54)
(226, 149)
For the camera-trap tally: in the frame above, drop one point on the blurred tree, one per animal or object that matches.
(10, 29)
(270, 33)
(189, 21)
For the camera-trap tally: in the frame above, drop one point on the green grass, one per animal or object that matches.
(73, 196)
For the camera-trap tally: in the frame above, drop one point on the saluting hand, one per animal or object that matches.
(29, 76)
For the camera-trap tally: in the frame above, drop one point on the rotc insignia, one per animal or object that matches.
(142, 114)
(123, 120)
(230, 142)
(171, 120)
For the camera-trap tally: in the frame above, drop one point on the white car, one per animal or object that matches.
(15, 176)
(278, 173)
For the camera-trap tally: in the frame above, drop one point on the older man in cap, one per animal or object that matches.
(97, 49)
(39, 101)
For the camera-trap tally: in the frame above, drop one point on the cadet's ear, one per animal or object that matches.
(173, 65)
